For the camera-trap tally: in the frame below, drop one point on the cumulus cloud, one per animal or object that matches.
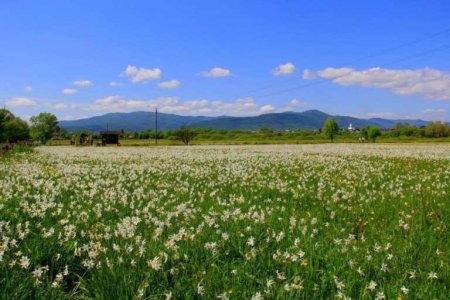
(28, 89)
(429, 114)
(169, 84)
(432, 110)
(429, 83)
(61, 105)
(137, 75)
(69, 91)
(433, 114)
(82, 83)
(284, 69)
(118, 103)
(384, 115)
(266, 108)
(239, 107)
(70, 118)
(114, 83)
(20, 101)
(308, 74)
(295, 104)
(216, 72)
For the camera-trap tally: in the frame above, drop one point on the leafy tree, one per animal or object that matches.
(330, 128)
(12, 128)
(5, 116)
(16, 129)
(373, 132)
(185, 134)
(437, 129)
(63, 133)
(43, 126)
(365, 132)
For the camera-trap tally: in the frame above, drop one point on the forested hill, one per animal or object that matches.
(138, 121)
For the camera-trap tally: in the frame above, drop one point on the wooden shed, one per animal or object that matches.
(110, 137)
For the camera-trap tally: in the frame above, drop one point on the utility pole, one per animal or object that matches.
(156, 126)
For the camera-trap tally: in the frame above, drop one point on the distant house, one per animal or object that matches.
(110, 137)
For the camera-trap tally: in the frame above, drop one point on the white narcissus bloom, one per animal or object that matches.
(380, 296)
(404, 290)
(372, 285)
(155, 263)
(200, 289)
(257, 296)
(24, 262)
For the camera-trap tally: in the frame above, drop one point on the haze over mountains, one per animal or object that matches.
(141, 120)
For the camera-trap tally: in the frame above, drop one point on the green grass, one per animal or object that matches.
(317, 215)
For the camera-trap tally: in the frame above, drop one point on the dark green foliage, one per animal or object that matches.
(12, 128)
(43, 126)
(437, 129)
(371, 132)
(186, 135)
(330, 128)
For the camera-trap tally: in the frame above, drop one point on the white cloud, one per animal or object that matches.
(433, 111)
(429, 114)
(169, 84)
(69, 118)
(216, 72)
(308, 74)
(429, 83)
(196, 103)
(83, 83)
(295, 103)
(434, 114)
(20, 101)
(28, 89)
(69, 91)
(284, 69)
(267, 108)
(117, 103)
(115, 83)
(239, 107)
(384, 115)
(141, 74)
(61, 105)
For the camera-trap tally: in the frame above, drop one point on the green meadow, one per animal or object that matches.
(339, 221)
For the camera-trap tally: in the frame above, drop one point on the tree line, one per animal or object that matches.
(44, 127)
(13, 129)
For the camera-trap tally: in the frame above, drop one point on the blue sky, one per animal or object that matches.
(362, 58)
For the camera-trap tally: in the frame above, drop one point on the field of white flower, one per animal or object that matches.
(226, 222)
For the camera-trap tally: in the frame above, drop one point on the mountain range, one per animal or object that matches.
(141, 120)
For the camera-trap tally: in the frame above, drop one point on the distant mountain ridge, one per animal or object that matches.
(141, 120)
